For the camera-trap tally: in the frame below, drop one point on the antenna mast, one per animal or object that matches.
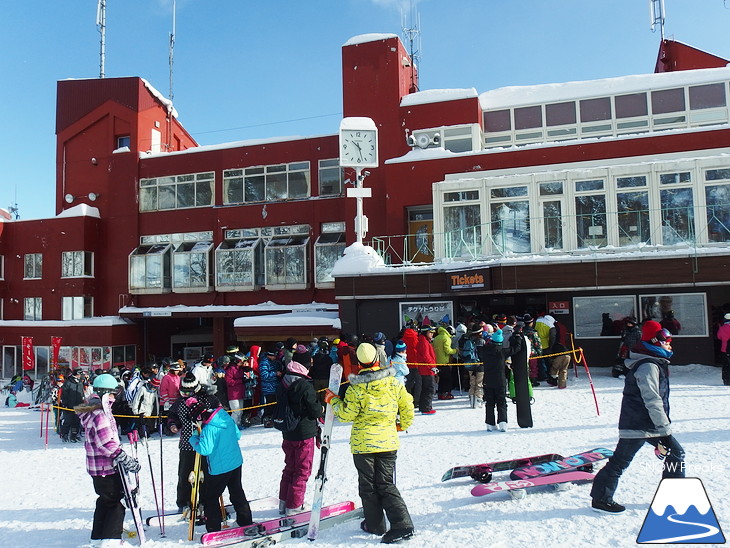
(101, 26)
(172, 44)
(657, 15)
(412, 37)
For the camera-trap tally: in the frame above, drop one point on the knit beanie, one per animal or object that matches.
(498, 336)
(301, 355)
(189, 383)
(649, 331)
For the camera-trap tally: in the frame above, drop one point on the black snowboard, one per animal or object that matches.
(522, 387)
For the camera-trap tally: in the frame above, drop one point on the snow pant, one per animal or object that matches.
(425, 400)
(446, 378)
(413, 384)
(109, 511)
(298, 456)
(542, 368)
(70, 425)
(606, 481)
(534, 373)
(559, 368)
(726, 369)
(495, 396)
(236, 410)
(184, 467)
(476, 380)
(215, 485)
(269, 409)
(376, 486)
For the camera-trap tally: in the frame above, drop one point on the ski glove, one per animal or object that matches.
(328, 396)
(663, 447)
(128, 463)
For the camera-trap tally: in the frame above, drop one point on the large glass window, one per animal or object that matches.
(593, 110)
(328, 248)
(149, 267)
(510, 219)
(266, 183)
(497, 120)
(176, 191)
(707, 96)
(552, 213)
(680, 314)
(633, 218)
(33, 308)
(75, 264)
(239, 264)
(631, 105)
(191, 265)
(528, 117)
(331, 176)
(590, 214)
(75, 308)
(677, 212)
(286, 261)
(667, 100)
(717, 199)
(558, 114)
(462, 224)
(602, 316)
(33, 266)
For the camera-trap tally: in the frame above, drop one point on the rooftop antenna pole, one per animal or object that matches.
(412, 37)
(172, 44)
(656, 15)
(101, 26)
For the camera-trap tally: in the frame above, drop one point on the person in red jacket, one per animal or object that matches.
(425, 357)
(413, 379)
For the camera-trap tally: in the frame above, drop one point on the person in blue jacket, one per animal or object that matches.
(218, 440)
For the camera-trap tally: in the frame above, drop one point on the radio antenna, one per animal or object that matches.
(172, 44)
(657, 15)
(412, 37)
(101, 27)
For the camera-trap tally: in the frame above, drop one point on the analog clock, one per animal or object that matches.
(358, 143)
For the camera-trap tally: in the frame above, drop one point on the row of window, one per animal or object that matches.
(244, 185)
(74, 264)
(247, 259)
(72, 308)
(73, 357)
(658, 110)
(670, 203)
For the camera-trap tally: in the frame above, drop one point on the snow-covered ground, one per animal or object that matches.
(47, 498)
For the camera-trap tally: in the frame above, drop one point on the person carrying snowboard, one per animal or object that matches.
(373, 403)
(644, 417)
(103, 453)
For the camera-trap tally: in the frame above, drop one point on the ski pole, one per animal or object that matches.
(48, 419)
(152, 475)
(590, 380)
(162, 468)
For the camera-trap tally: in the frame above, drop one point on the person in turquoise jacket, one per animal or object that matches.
(218, 440)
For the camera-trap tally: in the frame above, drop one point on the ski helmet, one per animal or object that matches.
(105, 383)
(367, 355)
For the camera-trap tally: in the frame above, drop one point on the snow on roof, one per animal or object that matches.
(161, 98)
(437, 96)
(357, 259)
(291, 318)
(101, 321)
(511, 96)
(372, 37)
(267, 306)
(81, 210)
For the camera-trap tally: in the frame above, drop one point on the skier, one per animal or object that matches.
(218, 441)
(644, 417)
(270, 370)
(103, 453)
(723, 333)
(493, 355)
(373, 404)
(298, 444)
(72, 394)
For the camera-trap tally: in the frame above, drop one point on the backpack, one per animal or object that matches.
(468, 353)
(283, 415)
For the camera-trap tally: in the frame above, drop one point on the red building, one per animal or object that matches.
(579, 199)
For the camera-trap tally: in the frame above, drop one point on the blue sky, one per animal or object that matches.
(247, 70)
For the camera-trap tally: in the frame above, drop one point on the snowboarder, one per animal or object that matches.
(103, 453)
(374, 403)
(644, 416)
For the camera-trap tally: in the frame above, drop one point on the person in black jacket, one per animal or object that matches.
(321, 365)
(298, 444)
(72, 394)
(493, 355)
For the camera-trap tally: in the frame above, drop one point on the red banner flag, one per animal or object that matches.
(28, 361)
(55, 350)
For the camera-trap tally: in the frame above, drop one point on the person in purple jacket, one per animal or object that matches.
(103, 453)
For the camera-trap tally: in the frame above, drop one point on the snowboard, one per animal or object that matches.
(522, 388)
(270, 526)
(574, 476)
(582, 461)
(475, 471)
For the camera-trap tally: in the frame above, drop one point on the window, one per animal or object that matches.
(558, 114)
(631, 105)
(593, 110)
(717, 198)
(239, 263)
(633, 218)
(191, 262)
(497, 120)
(707, 96)
(286, 261)
(328, 248)
(675, 178)
(75, 308)
(528, 117)
(176, 192)
(677, 212)
(331, 176)
(462, 225)
(602, 316)
(458, 139)
(667, 100)
(590, 214)
(124, 141)
(149, 268)
(33, 266)
(510, 219)
(266, 183)
(75, 264)
(32, 308)
(124, 356)
(681, 314)
(2, 267)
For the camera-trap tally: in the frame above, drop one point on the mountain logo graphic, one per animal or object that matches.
(681, 513)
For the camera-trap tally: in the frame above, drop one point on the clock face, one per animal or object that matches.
(358, 147)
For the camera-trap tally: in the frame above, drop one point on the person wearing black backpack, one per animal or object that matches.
(298, 443)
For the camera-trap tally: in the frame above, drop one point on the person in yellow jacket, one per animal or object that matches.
(373, 403)
(443, 350)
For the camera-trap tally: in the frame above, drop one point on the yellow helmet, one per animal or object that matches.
(367, 355)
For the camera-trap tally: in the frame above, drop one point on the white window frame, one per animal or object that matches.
(332, 239)
(37, 267)
(183, 259)
(37, 305)
(150, 191)
(77, 307)
(80, 263)
(145, 255)
(327, 166)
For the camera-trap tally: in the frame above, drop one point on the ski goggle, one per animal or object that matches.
(663, 335)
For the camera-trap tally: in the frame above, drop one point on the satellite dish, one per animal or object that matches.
(423, 140)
